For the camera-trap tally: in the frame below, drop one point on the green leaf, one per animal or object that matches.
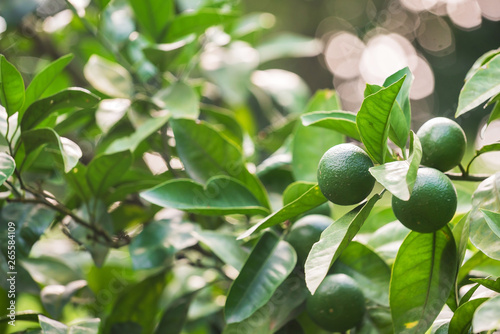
(295, 190)
(487, 316)
(22, 316)
(490, 284)
(287, 46)
(482, 60)
(422, 277)
(111, 111)
(138, 303)
(373, 120)
(401, 112)
(493, 221)
(225, 122)
(488, 148)
(104, 171)
(222, 195)
(481, 86)
(140, 134)
(462, 318)
(179, 99)
(225, 246)
(11, 87)
(175, 315)
(68, 152)
(153, 15)
(343, 122)
(495, 113)
(108, 77)
(399, 176)
(485, 198)
(309, 143)
(55, 297)
(283, 306)
(269, 264)
(7, 167)
(196, 23)
(43, 80)
(368, 269)
(50, 270)
(334, 239)
(205, 153)
(52, 326)
(308, 200)
(68, 98)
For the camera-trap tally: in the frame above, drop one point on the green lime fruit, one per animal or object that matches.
(432, 203)
(343, 174)
(338, 304)
(443, 143)
(305, 232)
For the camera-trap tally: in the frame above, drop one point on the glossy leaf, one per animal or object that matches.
(108, 77)
(493, 221)
(179, 99)
(373, 120)
(11, 87)
(268, 265)
(205, 153)
(343, 122)
(153, 15)
(69, 98)
(222, 195)
(175, 315)
(462, 318)
(422, 277)
(488, 148)
(333, 241)
(487, 316)
(196, 23)
(489, 283)
(368, 269)
(399, 176)
(68, 152)
(294, 190)
(110, 111)
(308, 200)
(482, 60)
(105, 171)
(485, 198)
(43, 80)
(225, 246)
(288, 45)
(138, 303)
(225, 121)
(7, 167)
(481, 86)
(310, 143)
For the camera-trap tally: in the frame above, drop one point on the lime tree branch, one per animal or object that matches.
(466, 177)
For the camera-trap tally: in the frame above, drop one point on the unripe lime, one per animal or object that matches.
(443, 143)
(343, 174)
(338, 304)
(305, 232)
(432, 203)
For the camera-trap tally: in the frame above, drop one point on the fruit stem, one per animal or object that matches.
(466, 177)
(464, 172)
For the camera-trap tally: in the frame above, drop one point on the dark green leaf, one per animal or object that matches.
(288, 45)
(67, 151)
(490, 284)
(481, 86)
(269, 264)
(343, 122)
(422, 277)
(487, 316)
(138, 303)
(468, 295)
(11, 87)
(7, 167)
(308, 200)
(373, 120)
(225, 122)
(153, 15)
(368, 269)
(222, 195)
(461, 235)
(462, 318)
(495, 113)
(296, 190)
(43, 80)
(485, 198)
(399, 176)
(175, 315)
(205, 153)
(274, 136)
(108, 77)
(225, 246)
(401, 112)
(310, 143)
(179, 99)
(334, 239)
(104, 171)
(196, 22)
(69, 98)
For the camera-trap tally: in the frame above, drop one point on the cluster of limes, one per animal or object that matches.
(344, 179)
